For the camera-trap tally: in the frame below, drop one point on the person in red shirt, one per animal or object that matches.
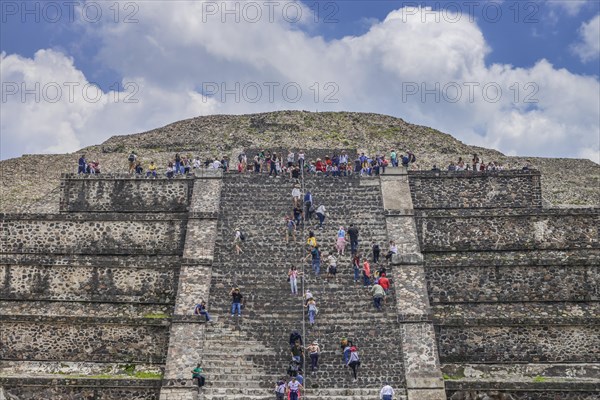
(385, 284)
(366, 272)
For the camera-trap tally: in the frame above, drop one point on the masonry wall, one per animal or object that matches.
(468, 230)
(466, 189)
(124, 193)
(158, 234)
(85, 283)
(516, 344)
(75, 339)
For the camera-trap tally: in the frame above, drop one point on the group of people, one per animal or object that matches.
(178, 165)
(338, 164)
(477, 165)
(87, 167)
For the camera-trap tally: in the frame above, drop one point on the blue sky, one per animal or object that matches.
(513, 38)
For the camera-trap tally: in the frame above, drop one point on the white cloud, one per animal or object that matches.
(171, 52)
(571, 7)
(48, 106)
(588, 48)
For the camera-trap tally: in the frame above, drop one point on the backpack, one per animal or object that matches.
(131, 158)
(242, 236)
(412, 158)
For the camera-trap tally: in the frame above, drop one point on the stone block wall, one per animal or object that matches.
(513, 283)
(105, 389)
(85, 283)
(124, 193)
(74, 339)
(517, 344)
(157, 234)
(476, 230)
(464, 189)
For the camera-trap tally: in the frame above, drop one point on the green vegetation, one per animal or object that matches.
(452, 377)
(540, 379)
(156, 315)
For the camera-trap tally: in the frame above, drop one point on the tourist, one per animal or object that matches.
(313, 352)
(294, 389)
(321, 212)
(315, 255)
(356, 267)
(293, 368)
(346, 351)
(332, 270)
(132, 161)
(392, 250)
(82, 165)
(311, 304)
(378, 293)
(341, 241)
(177, 163)
(308, 205)
(384, 282)
(353, 233)
(376, 250)
(394, 158)
(307, 296)
(236, 301)
(297, 215)
(312, 240)
(138, 168)
(151, 170)
(301, 160)
(170, 170)
(201, 309)
(297, 351)
(366, 270)
(290, 229)
(290, 159)
(386, 393)
(293, 279)
(296, 194)
(238, 237)
(280, 390)
(354, 361)
(197, 375)
(295, 336)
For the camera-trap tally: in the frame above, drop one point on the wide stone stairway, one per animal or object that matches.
(251, 352)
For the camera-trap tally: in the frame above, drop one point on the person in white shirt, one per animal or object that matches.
(296, 194)
(216, 164)
(321, 215)
(294, 388)
(301, 160)
(393, 250)
(353, 361)
(387, 393)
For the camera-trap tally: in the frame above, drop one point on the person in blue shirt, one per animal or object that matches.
(200, 309)
(81, 165)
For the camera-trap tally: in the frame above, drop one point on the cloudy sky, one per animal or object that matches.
(518, 76)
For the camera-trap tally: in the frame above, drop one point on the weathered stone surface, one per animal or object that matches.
(98, 234)
(87, 283)
(124, 193)
(36, 389)
(466, 189)
(556, 229)
(82, 342)
(550, 343)
(200, 239)
(519, 283)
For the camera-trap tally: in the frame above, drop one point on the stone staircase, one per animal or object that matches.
(245, 356)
